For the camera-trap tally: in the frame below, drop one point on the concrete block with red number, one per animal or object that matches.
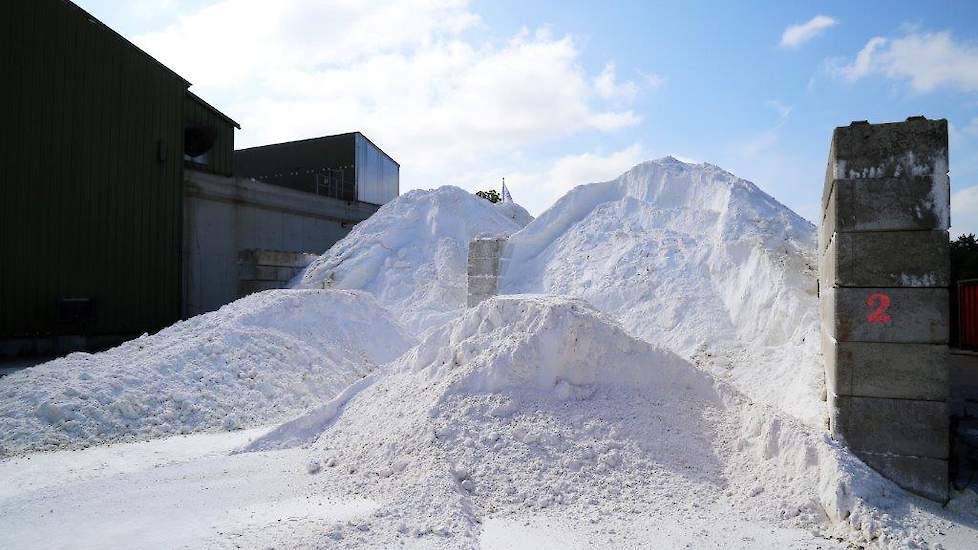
(899, 315)
(883, 277)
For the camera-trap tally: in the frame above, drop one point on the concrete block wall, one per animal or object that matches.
(266, 269)
(485, 255)
(884, 271)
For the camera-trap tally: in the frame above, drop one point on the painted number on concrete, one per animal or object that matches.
(881, 302)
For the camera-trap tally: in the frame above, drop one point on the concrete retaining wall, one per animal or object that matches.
(266, 269)
(883, 277)
(226, 218)
(485, 255)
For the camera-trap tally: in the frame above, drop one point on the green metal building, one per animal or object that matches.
(92, 152)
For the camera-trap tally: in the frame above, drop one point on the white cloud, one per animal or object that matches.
(573, 170)
(927, 60)
(796, 35)
(964, 211)
(863, 63)
(608, 87)
(408, 74)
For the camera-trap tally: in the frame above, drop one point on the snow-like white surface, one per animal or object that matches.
(260, 359)
(694, 258)
(669, 398)
(412, 253)
(542, 407)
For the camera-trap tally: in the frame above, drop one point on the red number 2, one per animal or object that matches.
(880, 301)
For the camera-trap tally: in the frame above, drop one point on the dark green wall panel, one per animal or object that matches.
(220, 159)
(89, 209)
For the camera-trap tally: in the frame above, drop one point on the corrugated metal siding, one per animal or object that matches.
(968, 314)
(378, 176)
(89, 210)
(220, 159)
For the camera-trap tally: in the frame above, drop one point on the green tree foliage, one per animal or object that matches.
(964, 257)
(491, 195)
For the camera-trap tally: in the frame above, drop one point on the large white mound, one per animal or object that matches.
(694, 258)
(411, 254)
(544, 404)
(257, 360)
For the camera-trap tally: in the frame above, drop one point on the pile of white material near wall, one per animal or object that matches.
(258, 360)
(693, 258)
(545, 406)
(412, 253)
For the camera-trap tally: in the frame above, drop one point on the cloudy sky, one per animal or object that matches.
(552, 95)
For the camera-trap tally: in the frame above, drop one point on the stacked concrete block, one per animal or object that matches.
(260, 269)
(484, 268)
(883, 286)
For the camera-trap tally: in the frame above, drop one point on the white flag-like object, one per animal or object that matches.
(506, 196)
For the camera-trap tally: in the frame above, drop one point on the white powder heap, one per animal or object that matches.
(412, 253)
(544, 406)
(258, 360)
(693, 258)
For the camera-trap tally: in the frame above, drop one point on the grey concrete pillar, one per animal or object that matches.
(883, 289)
(483, 270)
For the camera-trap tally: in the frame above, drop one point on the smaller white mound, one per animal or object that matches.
(544, 404)
(260, 359)
(524, 402)
(412, 253)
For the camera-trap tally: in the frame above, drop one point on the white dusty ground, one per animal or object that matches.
(660, 389)
(186, 492)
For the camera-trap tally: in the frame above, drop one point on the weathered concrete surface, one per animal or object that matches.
(883, 276)
(223, 216)
(891, 426)
(888, 204)
(278, 258)
(260, 269)
(913, 315)
(881, 259)
(483, 266)
(899, 371)
(485, 256)
(927, 477)
(917, 147)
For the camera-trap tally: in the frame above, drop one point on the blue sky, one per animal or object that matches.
(551, 95)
